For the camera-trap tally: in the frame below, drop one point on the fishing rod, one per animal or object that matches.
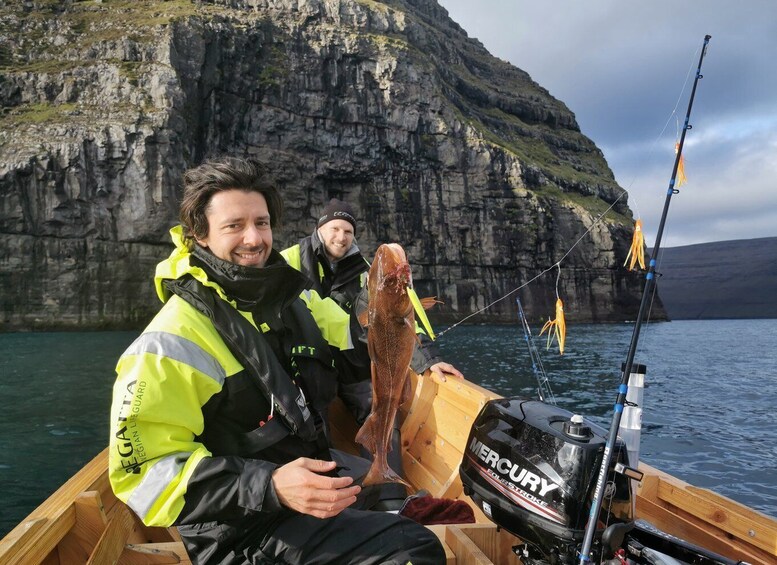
(543, 391)
(590, 529)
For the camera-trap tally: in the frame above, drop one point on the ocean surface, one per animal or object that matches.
(709, 405)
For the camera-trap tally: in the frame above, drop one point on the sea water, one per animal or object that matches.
(709, 415)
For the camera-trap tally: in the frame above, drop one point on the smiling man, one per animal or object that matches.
(335, 268)
(241, 231)
(336, 231)
(330, 258)
(216, 421)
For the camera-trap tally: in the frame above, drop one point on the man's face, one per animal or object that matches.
(337, 236)
(239, 228)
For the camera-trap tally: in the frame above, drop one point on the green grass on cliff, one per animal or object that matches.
(275, 67)
(112, 18)
(32, 43)
(49, 113)
(386, 39)
(42, 66)
(116, 19)
(36, 114)
(372, 4)
(531, 148)
(595, 205)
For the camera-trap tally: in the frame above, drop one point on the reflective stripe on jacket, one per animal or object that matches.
(345, 288)
(179, 378)
(341, 285)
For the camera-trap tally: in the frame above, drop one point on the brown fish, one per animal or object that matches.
(390, 341)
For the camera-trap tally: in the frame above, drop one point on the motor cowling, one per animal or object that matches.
(532, 468)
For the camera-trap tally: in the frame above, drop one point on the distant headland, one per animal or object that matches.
(723, 279)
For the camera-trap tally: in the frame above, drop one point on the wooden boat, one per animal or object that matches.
(83, 522)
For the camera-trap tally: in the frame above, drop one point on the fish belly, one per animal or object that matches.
(390, 352)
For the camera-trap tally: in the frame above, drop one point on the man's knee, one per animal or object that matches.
(424, 547)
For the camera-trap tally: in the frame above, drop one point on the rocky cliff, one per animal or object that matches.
(483, 176)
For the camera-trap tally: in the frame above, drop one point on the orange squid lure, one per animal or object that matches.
(557, 329)
(637, 250)
(681, 180)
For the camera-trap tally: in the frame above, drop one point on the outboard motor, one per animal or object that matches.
(532, 467)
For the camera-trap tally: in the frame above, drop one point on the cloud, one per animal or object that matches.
(626, 69)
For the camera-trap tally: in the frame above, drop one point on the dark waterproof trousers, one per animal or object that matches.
(353, 537)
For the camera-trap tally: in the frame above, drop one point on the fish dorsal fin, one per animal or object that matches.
(366, 435)
(419, 311)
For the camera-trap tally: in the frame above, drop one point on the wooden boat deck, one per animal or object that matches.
(83, 522)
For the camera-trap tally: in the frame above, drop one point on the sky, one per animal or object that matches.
(626, 70)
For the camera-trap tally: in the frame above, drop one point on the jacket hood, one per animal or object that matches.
(262, 291)
(179, 264)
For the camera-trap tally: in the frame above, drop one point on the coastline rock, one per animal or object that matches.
(481, 175)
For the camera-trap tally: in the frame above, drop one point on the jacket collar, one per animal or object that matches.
(263, 291)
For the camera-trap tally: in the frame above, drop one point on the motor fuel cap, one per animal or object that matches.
(576, 428)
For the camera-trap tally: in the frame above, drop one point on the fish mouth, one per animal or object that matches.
(394, 268)
(400, 277)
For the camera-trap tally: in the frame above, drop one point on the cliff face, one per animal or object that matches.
(482, 175)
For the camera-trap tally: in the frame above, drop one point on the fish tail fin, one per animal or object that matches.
(380, 473)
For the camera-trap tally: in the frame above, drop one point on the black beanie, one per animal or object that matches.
(337, 210)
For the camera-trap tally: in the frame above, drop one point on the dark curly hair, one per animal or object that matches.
(217, 175)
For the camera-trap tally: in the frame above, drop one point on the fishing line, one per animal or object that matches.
(544, 391)
(660, 255)
(672, 114)
(557, 264)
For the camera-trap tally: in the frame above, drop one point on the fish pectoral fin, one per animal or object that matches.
(411, 324)
(407, 389)
(364, 318)
(430, 301)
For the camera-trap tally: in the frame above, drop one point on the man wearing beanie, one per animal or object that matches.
(330, 258)
(335, 267)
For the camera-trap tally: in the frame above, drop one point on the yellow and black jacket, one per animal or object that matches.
(346, 285)
(219, 390)
(341, 281)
